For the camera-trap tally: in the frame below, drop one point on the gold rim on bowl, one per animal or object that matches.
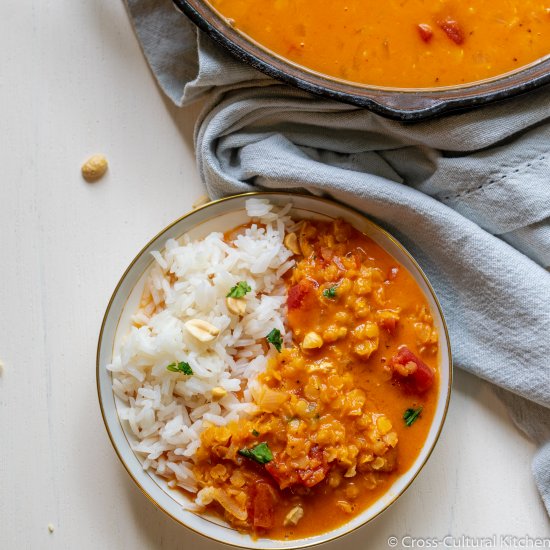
(258, 194)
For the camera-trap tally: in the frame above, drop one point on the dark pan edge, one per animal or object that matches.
(438, 103)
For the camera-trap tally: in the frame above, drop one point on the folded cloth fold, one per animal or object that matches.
(468, 194)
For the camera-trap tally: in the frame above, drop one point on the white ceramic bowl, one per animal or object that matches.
(220, 216)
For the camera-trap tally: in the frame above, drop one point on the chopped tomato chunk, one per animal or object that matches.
(286, 476)
(389, 324)
(312, 476)
(327, 253)
(425, 31)
(452, 29)
(281, 473)
(262, 509)
(411, 368)
(297, 293)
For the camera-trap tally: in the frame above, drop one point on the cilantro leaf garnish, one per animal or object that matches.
(410, 415)
(275, 338)
(261, 453)
(330, 292)
(239, 290)
(182, 367)
(255, 433)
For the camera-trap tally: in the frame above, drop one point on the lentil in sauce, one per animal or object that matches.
(398, 43)
(345, 409)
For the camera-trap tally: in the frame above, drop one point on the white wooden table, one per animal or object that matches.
(73, 82)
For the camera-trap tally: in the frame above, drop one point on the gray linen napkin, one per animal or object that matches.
(468, 194)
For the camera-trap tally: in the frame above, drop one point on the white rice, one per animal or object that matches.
(165, 411)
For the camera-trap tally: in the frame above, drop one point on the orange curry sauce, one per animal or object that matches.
(399, 43)
(331, 406)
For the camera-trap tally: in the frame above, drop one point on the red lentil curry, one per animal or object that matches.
(399, 43)
(343, 411)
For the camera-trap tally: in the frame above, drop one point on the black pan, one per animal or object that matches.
(398, 104)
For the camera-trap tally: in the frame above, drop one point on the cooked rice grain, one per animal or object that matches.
(165, 411)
